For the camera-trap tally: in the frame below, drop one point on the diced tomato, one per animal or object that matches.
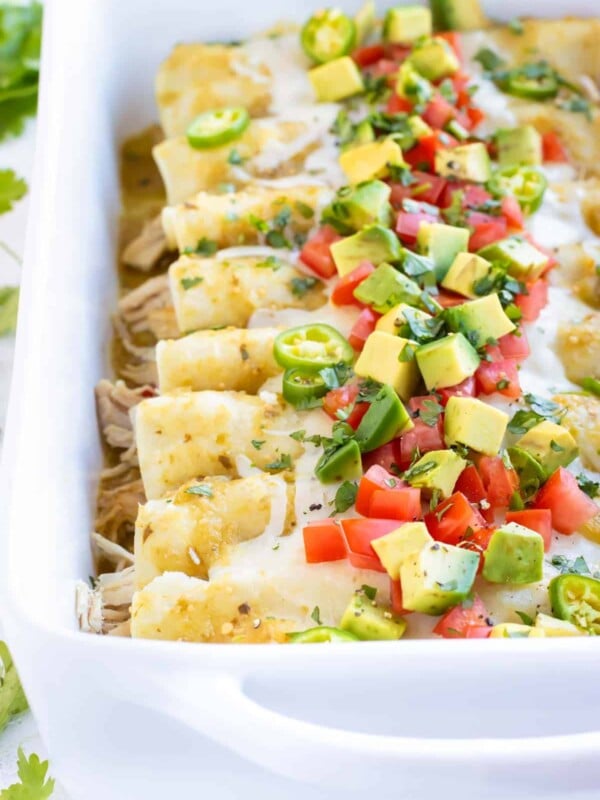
(358, 535)
(452, 519)
(323, 541)
(454, 40)
(478, 218)
(553, 149)
(478, 632)
(448, 299)
(570, 507)
(354, 418)
(422, 155)
(514, 345)
(425, 187)
(398, 105)
(464, 389)
(383, 67)
(396, 598)
(421, 437)
(363, 328)
(460, 81)
(403, 503)
(474, 195)
(456, 622)
(536, 519)
(487, 233)
(376, 477)
(534, 301)
(398, 52)
(343, 293)
(478, 543)
(470, 484)
(407, 225)
(512, 213)
(475, 115)
(341, 403)
(385, 456)
(316, 253)
(365, 56)
(420, 402)
(499, 481)
(498, 376)
(438, 112)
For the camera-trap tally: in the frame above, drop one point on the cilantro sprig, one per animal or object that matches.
(34, 783)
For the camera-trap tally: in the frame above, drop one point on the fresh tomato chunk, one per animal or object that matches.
(470, 484)
(396, 598)
(422, 155)
(478, 632)
(358, 535)
(398, 105)
(464, 389)
(453, 519)
(498, 376)
(553, 149)
(514, 345)
(385, 456)
(512, 213)
(339, 399)
(532, 303)
(316, 253)
(343, 293)
(570, 507)
(536, 519)
(365, 56)
(422, 438)
(376, 477)
(438, 112)
(398, 52)
(500, 481)
(448, 299)
(323, 541)
(427, 188)
(475, 115)
(456, 622)
(403, 503)
(363, 328)
(407, 225)
(487, 233)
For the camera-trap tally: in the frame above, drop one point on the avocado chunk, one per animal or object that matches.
(447, 361)
(458, 15)
(475, 424)
(550, 444)
(530, 471)
(434, 59)
(464, 272)
(556, 627)
(467, 162)
(372, 160)
(419, 128)
(406, 24)
(394, 548)
(513, 630)
(396, 319)
(371, 622)
(519, 258)
(413, 86)
(380, 360)
(515, 554)
(385, 419)
(437, 578)
(522, 146)
(356, 206)
(373, 243)
(436, 470)
(441, 243)
(336, 80)
(344, 464)
(482, 321)
(386, 287)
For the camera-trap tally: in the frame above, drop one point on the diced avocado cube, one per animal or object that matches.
(442, 243)
(447, 361)
(434, 59)
(371, 622)
(385, 419)
(512, 630)
(406, 24)
(458, 15)
(344, 464)
(530, 471)
(386, 287)
(369, 161)
(365, 20)
(482, 320)
(464, 272)
(550, 444)
(436, 470)
(364, 133)
(515, 554)
(356, 206)
(412, 85)
(374, 243)
(556, 627)
(475, 424)
(420, 129)
(437, 578)
(395, 318)
(467, 162)
(336, 80)
(519, 258)
(380, 360)
(519, 146)
(394, 548)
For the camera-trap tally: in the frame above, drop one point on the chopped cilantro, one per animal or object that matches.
(516, 26)
(9, 306)
(430, 413)
(234, 158)
(525, 618)
(200, 489)
(370, 592)
(33, 781)
(300, 286)
(204, 247)
(316, 615)
(12, 188)
(590, 487)
(304, 209)
(258, 443)
(419, 469)
(488, 59)
(345, 496)
(576, 566)
(189, 283)
(283, 462)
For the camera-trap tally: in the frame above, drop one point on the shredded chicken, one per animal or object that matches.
(148, 248)
(116, 509)
(149, 308)
(105, 609)
(114, 401)
(142, 368)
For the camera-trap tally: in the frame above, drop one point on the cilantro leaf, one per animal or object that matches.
(200, 489)
(576, 566)
(20, 40)
(204, 247)
(300, 286)
(12, 697)
(34, 785)
(315, 615)
(430, 413)
(345, 496)
(525, 618)
(12, 188)
(590, 487)
(189, 283)
(9, 306)
(283, 462)
(370, 592)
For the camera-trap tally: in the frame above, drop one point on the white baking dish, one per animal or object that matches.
(127, 720)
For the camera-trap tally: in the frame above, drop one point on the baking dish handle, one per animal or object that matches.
(301, 750)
